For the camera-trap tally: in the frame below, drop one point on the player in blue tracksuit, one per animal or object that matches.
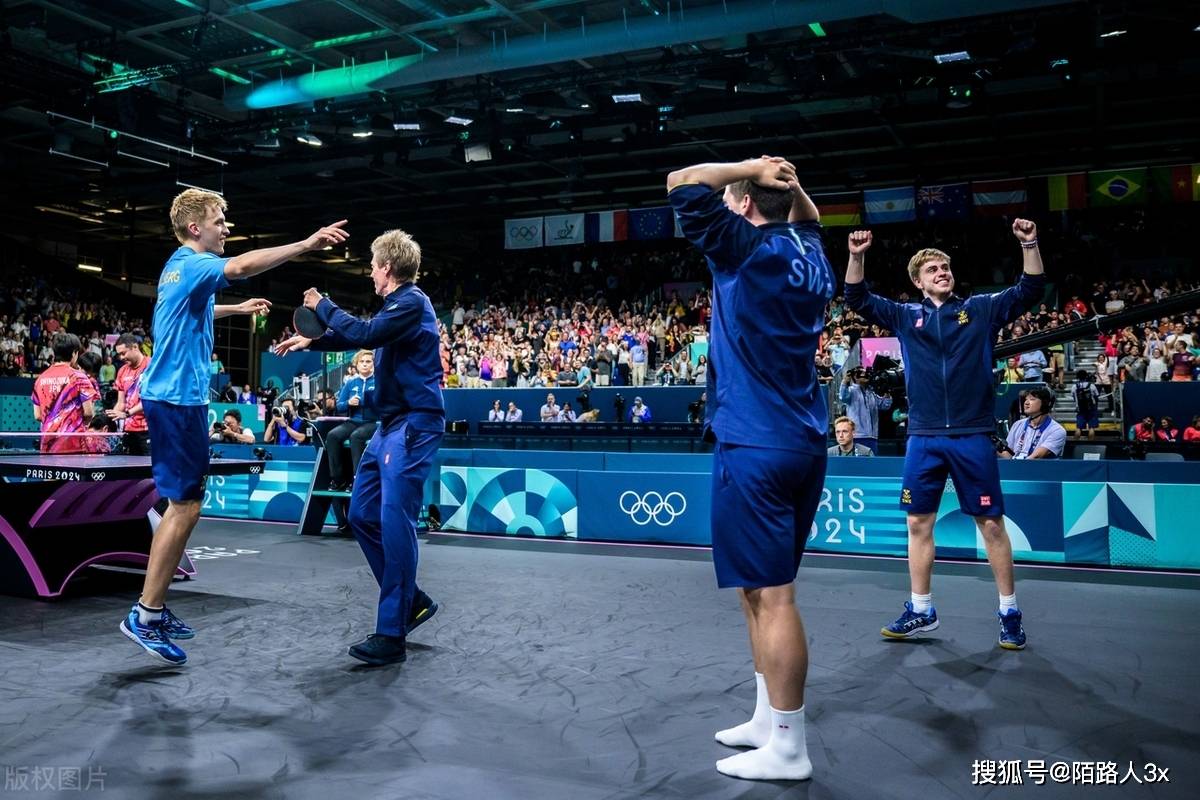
(946, 343)
(771, 283)
(388, 488)
(175, 392)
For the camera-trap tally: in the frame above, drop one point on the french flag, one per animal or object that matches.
(606, 226)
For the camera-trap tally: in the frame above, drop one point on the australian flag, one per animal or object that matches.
(948, 201)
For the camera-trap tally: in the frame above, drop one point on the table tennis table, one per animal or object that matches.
(61, 513)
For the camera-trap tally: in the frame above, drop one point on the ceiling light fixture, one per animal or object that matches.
(309, 139)
(632, 97)
(950, 58)
(1113, 34)
(454, 119)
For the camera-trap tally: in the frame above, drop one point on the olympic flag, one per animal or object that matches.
(522, 234)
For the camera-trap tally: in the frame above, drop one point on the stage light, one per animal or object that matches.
(950, 58)
(309, 139)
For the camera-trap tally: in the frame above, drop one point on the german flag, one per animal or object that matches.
(840, 210)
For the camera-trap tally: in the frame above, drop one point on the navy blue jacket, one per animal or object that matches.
(947, 352)
(364, 390)
(770, 287)
(408, 366)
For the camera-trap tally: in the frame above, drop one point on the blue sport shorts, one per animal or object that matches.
(763, 505)
(178, 449)
(969, 459)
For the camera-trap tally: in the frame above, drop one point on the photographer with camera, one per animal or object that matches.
(1037, 434)
(863, 407)
(286, 429)
(230, 431)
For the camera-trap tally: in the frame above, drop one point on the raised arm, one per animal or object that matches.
(1026, 233)
(860, 243)
(263, 259)
(803, 208)
(769, 171)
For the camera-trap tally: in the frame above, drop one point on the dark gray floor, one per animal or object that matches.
(579, 672)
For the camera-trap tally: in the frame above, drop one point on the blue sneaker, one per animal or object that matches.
(423, 607)
(153, 640)
(1012, 634)
(910, 623)
(174, 627)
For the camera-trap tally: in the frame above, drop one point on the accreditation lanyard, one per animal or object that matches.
(1040, 430)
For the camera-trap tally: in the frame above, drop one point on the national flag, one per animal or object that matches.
(1177, 184)
(652, 223)
(1065, 192)
(840, 210)
(1117, 187)
(890, 205)
(564, 229)
(523, 233)
(1006, 198)
(607, 226)
(948, 201)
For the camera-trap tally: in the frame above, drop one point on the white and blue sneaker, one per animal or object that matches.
(153, 639)
(910, 623)
(174, 627)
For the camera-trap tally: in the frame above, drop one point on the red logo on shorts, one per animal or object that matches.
(985, 500)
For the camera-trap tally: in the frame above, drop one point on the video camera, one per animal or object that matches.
(884, 376)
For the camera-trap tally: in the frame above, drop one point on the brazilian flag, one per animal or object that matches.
(1117, 187)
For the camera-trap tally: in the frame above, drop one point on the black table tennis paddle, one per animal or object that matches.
(305, 321)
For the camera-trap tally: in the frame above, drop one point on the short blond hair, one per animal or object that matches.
(846, 420)
(193, 205)
(360, 354)
(922, 256)
(400, 252)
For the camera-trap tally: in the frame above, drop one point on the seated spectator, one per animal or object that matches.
(567, 414)
(843, 431)
(1144, 430)
(247, 397)
(285, 427)
(1192, 432)
(1167, 432)
(639, 412)
(357, 400)
(550, 410)
(1012, 372)
(229, 394)
(1036, 435)
(230, 430)
(513, 414)
(496, 413)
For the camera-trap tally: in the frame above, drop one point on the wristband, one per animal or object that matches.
(1029, 245)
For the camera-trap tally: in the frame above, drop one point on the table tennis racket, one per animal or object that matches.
(305, 321)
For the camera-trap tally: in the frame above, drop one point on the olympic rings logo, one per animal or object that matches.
(653, 507)
(98, 476)
(524, 232)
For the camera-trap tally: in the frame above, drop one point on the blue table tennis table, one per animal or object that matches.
(62, 513)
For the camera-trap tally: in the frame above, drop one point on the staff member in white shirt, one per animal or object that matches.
(1038, 435)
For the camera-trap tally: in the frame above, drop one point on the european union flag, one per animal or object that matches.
(949, 201)
(651, 223)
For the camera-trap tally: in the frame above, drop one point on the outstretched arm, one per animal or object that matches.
(257, 261)
(256, 306)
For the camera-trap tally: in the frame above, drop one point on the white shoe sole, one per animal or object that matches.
(133, 637)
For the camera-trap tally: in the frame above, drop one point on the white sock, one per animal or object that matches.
(1008, 601)
(784, 758)
(921, 603)
(147, 615)
(756, 732)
